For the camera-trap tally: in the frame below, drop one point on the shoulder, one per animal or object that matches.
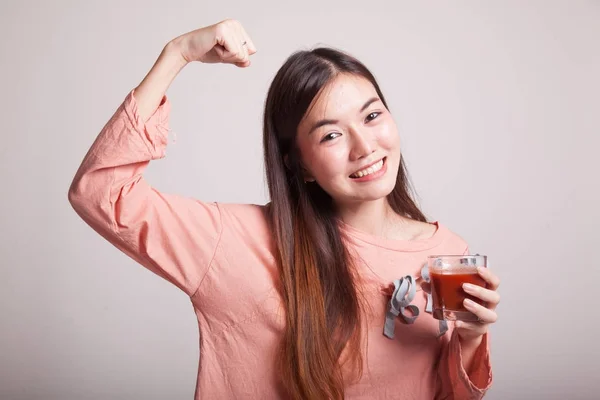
(453, 239)
(243, 213)
(410, 229)
(249, 219)
(423, 230)
(438, 232)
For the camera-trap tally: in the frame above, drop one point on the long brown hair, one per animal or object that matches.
(318, 286)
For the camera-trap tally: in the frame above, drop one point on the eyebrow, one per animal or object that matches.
(324, 122)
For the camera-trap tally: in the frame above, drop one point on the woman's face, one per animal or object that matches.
(349, 142)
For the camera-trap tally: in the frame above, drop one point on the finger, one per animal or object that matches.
(228, 38)
(244, 52)
(241, 37)
(243, 64)
(249, 43)
(241, 57)
(492, 280)
(225, 47)
(485, 315)
(234, 50)
(491, 297)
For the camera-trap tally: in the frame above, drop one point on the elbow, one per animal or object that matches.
(82, 192)
(88, 204)
(87, 201)
(74, 195)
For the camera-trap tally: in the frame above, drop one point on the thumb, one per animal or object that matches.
(220, 50)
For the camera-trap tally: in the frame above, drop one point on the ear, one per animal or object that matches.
(307, 176)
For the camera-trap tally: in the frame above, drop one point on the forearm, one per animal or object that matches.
(153, 87)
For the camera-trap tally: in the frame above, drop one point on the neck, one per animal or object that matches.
(373, 217)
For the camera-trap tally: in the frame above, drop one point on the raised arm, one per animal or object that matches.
(173, 236)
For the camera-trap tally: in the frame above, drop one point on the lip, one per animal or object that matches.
(375, 175)
(367, 166)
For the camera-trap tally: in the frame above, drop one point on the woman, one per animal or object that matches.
(291, 297)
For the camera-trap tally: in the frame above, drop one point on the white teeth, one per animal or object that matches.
(368, 171)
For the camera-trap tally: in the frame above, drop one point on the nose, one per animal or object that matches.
(362, 145)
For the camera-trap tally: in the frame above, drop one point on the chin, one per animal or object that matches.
(377, 193)
(370, 194)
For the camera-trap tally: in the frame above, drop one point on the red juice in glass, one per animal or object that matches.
(447, 274)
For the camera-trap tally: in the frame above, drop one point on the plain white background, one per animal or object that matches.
(498, 107)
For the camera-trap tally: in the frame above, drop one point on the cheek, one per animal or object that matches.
(389, 138)
(327, 162)
(335, 160)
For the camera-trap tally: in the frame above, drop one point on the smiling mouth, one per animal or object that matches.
(369, 170)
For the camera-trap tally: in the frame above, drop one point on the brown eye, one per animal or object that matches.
(329, 136)
(372, 116)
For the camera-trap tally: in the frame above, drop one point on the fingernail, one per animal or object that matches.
(469, 303)
(468, 286)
